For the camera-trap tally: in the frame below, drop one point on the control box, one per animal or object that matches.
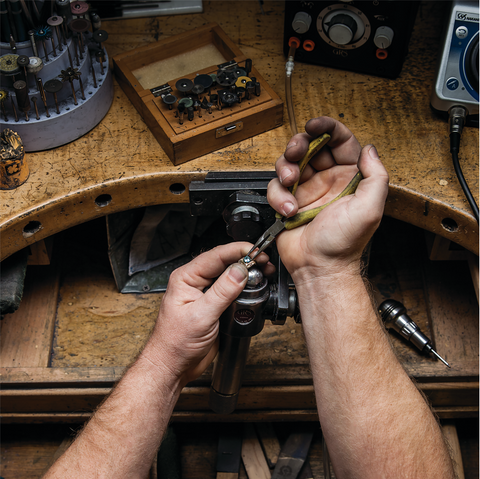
(457, 75)
(366, 37)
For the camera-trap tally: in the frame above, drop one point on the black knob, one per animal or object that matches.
(342, 29)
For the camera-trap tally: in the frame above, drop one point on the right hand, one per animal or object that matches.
(334, 241)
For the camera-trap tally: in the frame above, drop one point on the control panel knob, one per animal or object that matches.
(301, 22)
(342, 29)
(383, 37)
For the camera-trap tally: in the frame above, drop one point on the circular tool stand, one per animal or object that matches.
(72, 111)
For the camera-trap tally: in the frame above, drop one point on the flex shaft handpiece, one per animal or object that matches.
(394, 315)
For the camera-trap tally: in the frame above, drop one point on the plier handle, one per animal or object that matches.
(304, 217)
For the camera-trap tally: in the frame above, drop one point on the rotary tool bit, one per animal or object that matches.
(181, 111)
(21, 92)
(55, 22)
(23, 61)
(34, 99)
(53, 86)
(14, 109)
(43, 34)
(3, 97)
(394, 315)
(31, 34)
(34, 66)
(13, 45)
(43, 96)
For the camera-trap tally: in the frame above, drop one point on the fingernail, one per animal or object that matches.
(373, 153)
(291, 145)
(238, 272)
(287, 208)
(284, 174)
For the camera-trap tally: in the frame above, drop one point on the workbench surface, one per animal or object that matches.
(121, 158)
(74, 333)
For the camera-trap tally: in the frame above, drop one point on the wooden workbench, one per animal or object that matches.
(120, 158)
(74, 333)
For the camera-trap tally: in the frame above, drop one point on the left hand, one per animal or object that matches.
(332, 244)
(184, 338)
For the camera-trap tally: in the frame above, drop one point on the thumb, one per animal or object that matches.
(225, 290)
(375, 183)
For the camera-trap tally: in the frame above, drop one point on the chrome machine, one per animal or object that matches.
(457, 74)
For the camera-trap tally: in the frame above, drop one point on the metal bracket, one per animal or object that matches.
(161, 90)
(211, 196)
(229, 129)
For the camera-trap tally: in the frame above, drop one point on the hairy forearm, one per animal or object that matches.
(124, 434)
(375, 421)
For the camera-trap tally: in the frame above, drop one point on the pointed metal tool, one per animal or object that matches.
(394, 314)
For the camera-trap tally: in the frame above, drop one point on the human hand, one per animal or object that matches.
(334, 241)
(184, 337)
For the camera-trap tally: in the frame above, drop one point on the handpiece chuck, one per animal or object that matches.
(394, 315)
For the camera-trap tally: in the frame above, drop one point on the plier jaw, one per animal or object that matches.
(263, 242)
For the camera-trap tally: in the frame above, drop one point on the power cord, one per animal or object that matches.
(456, 122)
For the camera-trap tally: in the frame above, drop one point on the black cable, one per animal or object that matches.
(456, 121)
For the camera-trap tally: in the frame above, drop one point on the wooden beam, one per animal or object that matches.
(27, 334)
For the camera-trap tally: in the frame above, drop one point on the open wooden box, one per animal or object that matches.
(149, 73)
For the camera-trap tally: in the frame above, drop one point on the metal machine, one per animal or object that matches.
(241, 199)
(366, 37)
(457, 73)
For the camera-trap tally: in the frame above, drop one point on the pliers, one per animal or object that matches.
(283, 223)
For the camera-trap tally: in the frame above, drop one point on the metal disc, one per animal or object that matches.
(9, 64)
(19, 85)
(79, 8)
(100, 36)
(53, 86)
(205, 80)
(197, 89)
(227, 97)
(226, 77)
(169, 99)
(79, 25)
(3, 96)
(242, 81)
(186, 102)
(23, 60)
(55, 21)
(240, 72)
(184, 85)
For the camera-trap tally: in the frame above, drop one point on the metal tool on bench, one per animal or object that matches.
(394, 315)
(304, 217)
(243, 319)
(259, 301)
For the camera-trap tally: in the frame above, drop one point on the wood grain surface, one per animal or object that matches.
(121, 159)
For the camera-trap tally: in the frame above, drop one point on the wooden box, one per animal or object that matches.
(148, 74)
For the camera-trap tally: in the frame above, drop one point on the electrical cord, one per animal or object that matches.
(456, 122)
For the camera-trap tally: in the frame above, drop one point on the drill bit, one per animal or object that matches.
(394, 315)
(34, 99)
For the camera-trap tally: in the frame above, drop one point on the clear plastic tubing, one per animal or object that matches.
(288, 87)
